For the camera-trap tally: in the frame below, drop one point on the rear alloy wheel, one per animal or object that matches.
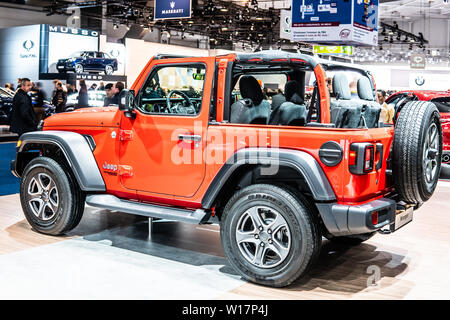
(269, 234)
(417, 151)
(109, 69)
(79, 68)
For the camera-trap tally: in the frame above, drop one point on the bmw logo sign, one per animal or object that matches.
(420, 81)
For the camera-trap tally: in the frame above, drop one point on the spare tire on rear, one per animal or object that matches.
(417, 151)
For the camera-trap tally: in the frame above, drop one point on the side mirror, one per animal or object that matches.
(126, 100)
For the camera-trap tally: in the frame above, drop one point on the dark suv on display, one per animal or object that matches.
(6, 99)
(88, 61)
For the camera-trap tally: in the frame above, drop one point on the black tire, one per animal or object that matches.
(352, 240)
(71, 199)
(106, 68)
(79, 68)
(305, 238)
(414, 122)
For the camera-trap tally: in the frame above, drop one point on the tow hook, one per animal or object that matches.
(401, 207)
(385, 230)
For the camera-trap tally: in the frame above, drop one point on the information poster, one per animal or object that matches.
(337, 21)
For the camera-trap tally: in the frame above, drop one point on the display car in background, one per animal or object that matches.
(442, 101)
(96, 98)
(88, 61)
(6, 99)
(277, 175)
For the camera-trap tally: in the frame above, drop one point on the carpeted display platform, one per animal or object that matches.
(8, 183)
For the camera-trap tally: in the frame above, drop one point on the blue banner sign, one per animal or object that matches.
(172, 9)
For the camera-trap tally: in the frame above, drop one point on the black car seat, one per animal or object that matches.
(293, 111)
(371, 110)
(345, 112)
(252, 108)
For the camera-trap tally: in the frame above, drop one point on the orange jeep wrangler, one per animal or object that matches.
(257, 142)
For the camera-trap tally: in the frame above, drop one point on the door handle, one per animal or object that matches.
(189, 137)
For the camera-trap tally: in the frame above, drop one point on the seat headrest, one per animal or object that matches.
(365, 91)
(341, 87)
(250, 89)
(291, 88)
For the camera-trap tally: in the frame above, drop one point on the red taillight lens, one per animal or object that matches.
(374, 218)
(368, 159)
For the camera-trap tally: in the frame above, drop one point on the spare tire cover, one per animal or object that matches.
(417, 151)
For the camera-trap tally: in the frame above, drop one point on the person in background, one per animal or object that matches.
(19, 83)
(118, 87)
(71, 88)
(387, 111)
(23, 118)
(8, 88)
(83, 98)
(109, 94)
(101, 86)
(93, 87)
(59, 98)
(354, 89)
(330, 86)
(38, 95)
(11, 87)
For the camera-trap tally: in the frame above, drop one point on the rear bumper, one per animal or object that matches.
(341, 220)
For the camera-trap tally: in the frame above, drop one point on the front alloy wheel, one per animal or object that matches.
(51, 199)
(42, 196)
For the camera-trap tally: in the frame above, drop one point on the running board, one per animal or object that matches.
(110, 202)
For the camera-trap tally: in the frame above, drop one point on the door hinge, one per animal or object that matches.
(125, 170)
(126, 135)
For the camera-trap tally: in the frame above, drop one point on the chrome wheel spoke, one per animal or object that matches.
(278, 223)
(34, 188)
(279, 249)
(246, 237)
(255, 216)
(260, 255)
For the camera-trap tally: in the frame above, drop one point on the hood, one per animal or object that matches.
(86, 117)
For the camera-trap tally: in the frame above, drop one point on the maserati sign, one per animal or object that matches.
(172, 9)
(417, 61)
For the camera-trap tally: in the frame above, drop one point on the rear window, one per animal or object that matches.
(443, 104)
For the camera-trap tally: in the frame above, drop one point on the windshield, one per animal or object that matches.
(76, 54)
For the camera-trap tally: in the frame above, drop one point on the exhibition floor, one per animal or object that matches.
(111, 255)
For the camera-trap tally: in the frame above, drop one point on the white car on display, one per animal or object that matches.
(95, 99)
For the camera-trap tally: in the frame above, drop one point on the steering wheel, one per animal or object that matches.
(179, 107)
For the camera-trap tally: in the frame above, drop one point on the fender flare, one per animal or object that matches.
(77, 152)
(301, 161)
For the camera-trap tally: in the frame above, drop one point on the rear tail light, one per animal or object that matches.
(375, 218)
(368, 158)
(363, 157)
